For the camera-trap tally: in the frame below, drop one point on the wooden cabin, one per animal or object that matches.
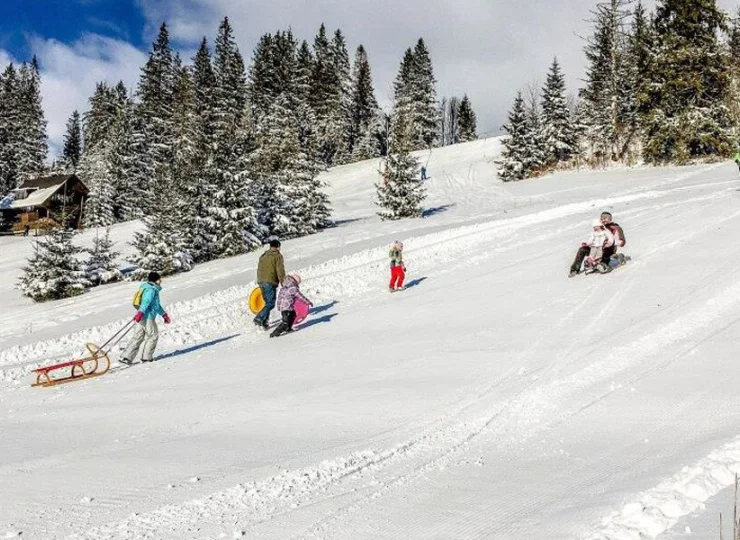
(45, 202)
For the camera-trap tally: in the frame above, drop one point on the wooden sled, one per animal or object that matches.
(95, 365)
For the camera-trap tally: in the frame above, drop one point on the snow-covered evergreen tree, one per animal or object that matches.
(201, 233)
(536, 156)
(514, 164)
(161, 247)
(291, 202)
(33, 148)
(98, 211)
(467, 121)
(685, 106)
(340, 122)
(10, 129)
(231, 212)
(364, 142)
(609, 97)
(72, 151)
(424, 113)
(400, 191)
(557, 130)
(95, 166)
(53, 272)
(156, 91)
(733, 49)
(101, 267)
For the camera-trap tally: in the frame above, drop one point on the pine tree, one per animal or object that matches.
(733, 47)
(72, 152)
(201, 233)
(53, 272)
(290, 199)
(364, 111)
(424, 117)
(98, 211)
(609, 103)
(557, 130)
(685, 105)
(156, 92)
(185, 143)
(33, 148)
(231, 211)
(10, 129)
(468, 122)
(514, 165)
(341, 115)
(95, 166)
(100, 267)
(401, 192)
(161, 247)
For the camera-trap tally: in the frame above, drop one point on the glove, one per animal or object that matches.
(139, 315)
(166, 318)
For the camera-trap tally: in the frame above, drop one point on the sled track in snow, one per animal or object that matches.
(215, 314)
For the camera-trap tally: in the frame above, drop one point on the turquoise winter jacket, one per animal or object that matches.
(150, 305)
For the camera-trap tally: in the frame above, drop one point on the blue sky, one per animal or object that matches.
(67, 21)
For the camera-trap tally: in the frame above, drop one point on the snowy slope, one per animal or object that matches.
(495, 398)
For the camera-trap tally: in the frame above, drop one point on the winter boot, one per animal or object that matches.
(125, 361)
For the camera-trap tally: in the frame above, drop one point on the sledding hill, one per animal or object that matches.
(494, 398)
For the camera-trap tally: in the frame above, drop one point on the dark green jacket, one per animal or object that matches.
(271, 268)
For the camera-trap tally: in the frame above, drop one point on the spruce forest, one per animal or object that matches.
(660, 88)
(215, 155)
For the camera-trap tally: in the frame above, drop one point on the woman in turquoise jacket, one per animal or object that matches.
(146, 331)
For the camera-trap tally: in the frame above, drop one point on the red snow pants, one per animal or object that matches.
(397, 277)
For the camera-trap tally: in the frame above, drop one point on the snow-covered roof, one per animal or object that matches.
(43, 189)
(37, 198)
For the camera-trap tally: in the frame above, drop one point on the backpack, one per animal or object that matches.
(137, 297)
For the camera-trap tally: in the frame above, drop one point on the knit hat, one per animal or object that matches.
(153, 277)
(597, 223)
(296, 278)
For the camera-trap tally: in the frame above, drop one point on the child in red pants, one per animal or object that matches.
(398, 270)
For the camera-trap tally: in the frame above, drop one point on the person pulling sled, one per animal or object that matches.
(146, 332)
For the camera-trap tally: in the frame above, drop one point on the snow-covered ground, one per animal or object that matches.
(494, 398)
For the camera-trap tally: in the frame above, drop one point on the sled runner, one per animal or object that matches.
(592, 266)
(94, 365)
(256, 302)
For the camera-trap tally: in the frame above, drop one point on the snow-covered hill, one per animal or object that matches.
(494, 398)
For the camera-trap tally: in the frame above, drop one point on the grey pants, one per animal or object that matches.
(146, 332)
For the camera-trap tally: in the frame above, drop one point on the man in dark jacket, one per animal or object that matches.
(619, 239)
(270, 274)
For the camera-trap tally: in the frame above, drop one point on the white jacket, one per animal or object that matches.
(601, 239)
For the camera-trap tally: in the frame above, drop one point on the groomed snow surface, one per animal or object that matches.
(493, 399)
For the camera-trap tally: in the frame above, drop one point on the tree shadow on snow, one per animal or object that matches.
(429, 212)
(415, 282)
(314, 322)
(194, 348)
(325, 307)
(343, 222)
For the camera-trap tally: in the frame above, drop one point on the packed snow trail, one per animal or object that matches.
(495, 398)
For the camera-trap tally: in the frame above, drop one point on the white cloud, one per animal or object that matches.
(69, 74)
